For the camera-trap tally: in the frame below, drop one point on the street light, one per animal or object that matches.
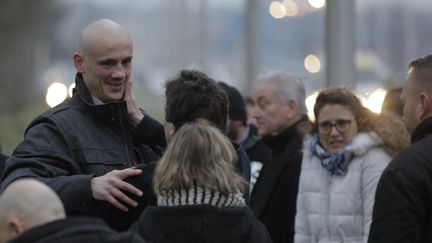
(277, 10)
(317, 3)
(312, 63)
(290, 7)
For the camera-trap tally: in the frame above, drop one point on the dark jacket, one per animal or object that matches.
(403, 199)
(257, 151)
(120, 220)
(200, 223)
(274, 196)
(72, 230)
(243, 167)
(69, 144)
(255, 148)
(3, 159)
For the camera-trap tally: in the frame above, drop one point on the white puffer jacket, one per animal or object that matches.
(335, 208)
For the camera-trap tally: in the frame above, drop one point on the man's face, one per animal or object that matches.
(410, 101)
(233, 128)
(106, 66)
(274, 113)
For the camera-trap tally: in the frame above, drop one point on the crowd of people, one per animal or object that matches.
(221, 168)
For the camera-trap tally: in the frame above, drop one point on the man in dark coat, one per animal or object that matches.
(403, 199)
(85, 147)
(245, 134)
(282, 122)
(31, 212)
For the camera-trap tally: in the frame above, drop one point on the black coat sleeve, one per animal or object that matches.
(151, 133)
(44, 155)
(399, 213)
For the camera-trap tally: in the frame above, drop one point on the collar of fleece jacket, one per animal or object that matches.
(360, 145)
(423, 129)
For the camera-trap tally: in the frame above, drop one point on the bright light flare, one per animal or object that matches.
(290, 7)
(312, 64)
(375, 99)
(277, 10)
(310, 103)
(317, 3)
(56, 94)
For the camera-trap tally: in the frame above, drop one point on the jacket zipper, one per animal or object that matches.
(125, 144)
(329, 183)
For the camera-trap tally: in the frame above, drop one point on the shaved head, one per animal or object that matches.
(104, 59)
(98, 30)
(27, 203)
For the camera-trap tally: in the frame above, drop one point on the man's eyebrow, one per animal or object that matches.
(106, 61)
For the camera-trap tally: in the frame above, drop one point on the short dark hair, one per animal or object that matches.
(236, 107)
(421, 70)
(192, 95)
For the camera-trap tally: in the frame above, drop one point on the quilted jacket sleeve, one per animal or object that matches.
(44, 155)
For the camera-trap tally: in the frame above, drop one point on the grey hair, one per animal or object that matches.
(289, 87)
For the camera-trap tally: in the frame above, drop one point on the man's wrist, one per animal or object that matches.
(136, 118)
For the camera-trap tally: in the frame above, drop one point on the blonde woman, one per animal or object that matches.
(200, 196)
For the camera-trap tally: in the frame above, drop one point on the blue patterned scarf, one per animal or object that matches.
(335, 163)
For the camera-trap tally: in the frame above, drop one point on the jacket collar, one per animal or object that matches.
(113, 112)
(278, 141)
(423, 129)
(251, 139)
(49, 229)
(359, 146)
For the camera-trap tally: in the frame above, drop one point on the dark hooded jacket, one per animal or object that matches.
(71, 143)
(200, 223)
(72, 230)
(120, 220)
(403, 200)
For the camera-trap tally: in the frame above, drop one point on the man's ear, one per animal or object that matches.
(169, 129)
(16, 227)
(78, 62)
(425, 106)
(293, 108)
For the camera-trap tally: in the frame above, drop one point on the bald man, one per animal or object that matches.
(86, 147)
(31, 212)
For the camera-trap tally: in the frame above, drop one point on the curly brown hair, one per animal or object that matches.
(192, 95)
(388, 127)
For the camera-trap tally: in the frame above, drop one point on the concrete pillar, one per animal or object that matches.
(340, 43)
(251, 45)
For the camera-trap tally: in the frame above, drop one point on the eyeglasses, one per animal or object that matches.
(342, 125)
